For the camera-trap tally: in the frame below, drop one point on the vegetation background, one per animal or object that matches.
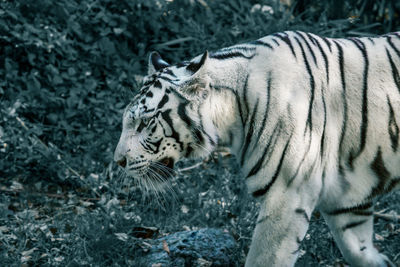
(68, 68)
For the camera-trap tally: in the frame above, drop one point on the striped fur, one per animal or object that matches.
(313, 122)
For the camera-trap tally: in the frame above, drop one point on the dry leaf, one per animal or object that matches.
(379, 237)
(165, 246)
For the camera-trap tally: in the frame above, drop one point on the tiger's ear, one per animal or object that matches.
(156, 63)
(199, 81)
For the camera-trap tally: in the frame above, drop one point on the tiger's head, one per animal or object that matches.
(164, 122)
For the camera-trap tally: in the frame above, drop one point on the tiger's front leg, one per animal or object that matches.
(282, 224)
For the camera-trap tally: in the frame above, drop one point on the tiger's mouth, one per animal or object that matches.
(167, 162)
(165, 168)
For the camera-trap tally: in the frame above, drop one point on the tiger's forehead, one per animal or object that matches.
(152, 95)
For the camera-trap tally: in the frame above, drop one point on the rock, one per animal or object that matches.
(205, 247)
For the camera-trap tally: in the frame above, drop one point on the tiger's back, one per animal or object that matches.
(313, 122)
(346, 94)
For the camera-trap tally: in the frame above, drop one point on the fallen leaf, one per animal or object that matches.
(203, 263)
(4, 229)
(165, 246)
(59, 259)
(379, 237)
(28, 252)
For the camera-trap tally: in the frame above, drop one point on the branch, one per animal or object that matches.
(190, 167)
(387, 217)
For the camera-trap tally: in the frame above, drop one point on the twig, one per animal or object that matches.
(190, 167)
(174, 42)
(387, 217)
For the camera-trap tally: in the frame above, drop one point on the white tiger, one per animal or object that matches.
(312, 121)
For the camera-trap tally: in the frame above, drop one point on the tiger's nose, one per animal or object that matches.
(122, 162)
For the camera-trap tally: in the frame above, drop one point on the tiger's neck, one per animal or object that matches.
(224, 107)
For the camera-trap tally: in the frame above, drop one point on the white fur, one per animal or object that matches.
(301, 169)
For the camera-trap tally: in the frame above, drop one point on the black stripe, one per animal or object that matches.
(393, 128)
(174, 134)
(378, 167)
(229, 55)
(145, 146)
(287, 41)
(323, 56)
(303, 213)
(249, 134)
(136, 167)
(163, 101)
(298, 241)
(179, 95)
(353, 209)
(300, 164)
(167, 79)
(195, 66)
(239, 107)
(364, 119)
(324, 127)
(345, 115)
(157, 84)
(312, 39)
(371, 40)
(246, 104)
(312, 85)
(389, 40)
(259, 42)
(190, 123)
(261, 131)
(256, 168)
(353, 224)
(266, 188)
(275, 41)
(169, 72)
(326, 40)
(212, 142)
(308, 46)
(141, 126)
(393, 183)
(156, 145)
(395, 71)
